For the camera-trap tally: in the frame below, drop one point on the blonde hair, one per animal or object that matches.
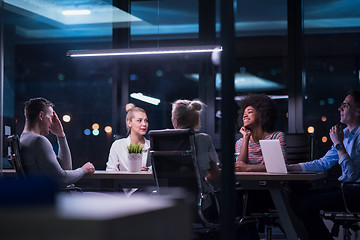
(186, 113)
(130, 109)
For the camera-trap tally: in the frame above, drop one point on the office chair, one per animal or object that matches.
(14, 156)
(348, 220)
(174, 164)
(299, 147)
(15, 159)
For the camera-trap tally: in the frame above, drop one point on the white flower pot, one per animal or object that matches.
(135, 160)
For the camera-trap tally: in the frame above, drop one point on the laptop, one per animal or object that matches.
(273, 156)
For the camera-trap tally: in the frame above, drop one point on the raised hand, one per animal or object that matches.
(56, 127)
(245, 132)
(336, 134)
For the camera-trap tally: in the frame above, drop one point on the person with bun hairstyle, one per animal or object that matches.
(258, 115)
(186, 114)
(137, 125)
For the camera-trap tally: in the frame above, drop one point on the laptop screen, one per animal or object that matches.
(273, 156)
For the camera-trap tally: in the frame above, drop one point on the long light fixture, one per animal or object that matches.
(144, 98)
(144, 51)
(275, 97)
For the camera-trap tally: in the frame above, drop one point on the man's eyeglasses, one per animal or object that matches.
(344, 105)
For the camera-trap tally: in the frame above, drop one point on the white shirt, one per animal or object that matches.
(118, 156)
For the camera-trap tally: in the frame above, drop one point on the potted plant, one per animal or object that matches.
(135, 157)
(136, 148)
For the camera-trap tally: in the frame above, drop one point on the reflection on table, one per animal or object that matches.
(8, 172)
(98, 216)
(116, 180)
(102, 174)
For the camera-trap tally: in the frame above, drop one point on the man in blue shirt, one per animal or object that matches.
(346, 152)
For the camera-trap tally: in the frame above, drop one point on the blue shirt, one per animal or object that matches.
(350, 162)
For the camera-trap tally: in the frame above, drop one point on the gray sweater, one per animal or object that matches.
(39, 158)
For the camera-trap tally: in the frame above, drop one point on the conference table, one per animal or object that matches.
(98, 216)
(273, 182)
(8, 172)
(116, 180)
(102, 174)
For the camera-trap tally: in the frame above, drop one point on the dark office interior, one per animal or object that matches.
(304, 54)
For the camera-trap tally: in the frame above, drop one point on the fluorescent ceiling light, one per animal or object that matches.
(275, 97)
(144, 51)
(244, 82)
(76, 12)
(144, 98)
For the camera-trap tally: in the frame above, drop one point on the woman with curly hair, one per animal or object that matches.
(258, 115)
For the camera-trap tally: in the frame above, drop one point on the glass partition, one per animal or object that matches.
(37, 35)
(261, 56)
(332, 65)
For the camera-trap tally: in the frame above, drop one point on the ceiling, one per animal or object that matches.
(43, 19)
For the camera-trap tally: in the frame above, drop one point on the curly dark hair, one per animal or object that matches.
(265, 107)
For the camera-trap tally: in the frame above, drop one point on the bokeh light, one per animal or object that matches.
(87, 132)
(108, 129)
(324, 139)
(95, 126)
(323, 118)
(66, 118)
(95, 132)
(311, 129)
(331, 101)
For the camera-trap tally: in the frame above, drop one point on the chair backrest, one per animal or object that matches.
(173, 158)
(14, 157)
(351, 196)
(174, 164)
(299, 147)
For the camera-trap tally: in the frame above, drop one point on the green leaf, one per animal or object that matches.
(135, 148)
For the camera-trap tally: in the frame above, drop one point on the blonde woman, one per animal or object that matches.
(137, 125)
